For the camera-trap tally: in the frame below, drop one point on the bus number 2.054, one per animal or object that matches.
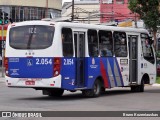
(43, 61)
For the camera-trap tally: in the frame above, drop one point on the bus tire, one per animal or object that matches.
(95, 92)
(56, 93)
(138, 88)
(134, 88)
(141, 87)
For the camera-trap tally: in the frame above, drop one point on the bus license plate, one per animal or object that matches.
(30, 82)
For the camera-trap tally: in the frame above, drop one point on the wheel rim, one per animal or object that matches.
(96, 88)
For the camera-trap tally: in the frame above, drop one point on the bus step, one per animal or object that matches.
(133, 83)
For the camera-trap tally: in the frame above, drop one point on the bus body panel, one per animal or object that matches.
(108, 68)
(68, 72)
(30, 67)
(34, 82)
(26, 66)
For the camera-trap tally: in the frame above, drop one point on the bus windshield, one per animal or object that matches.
(31, 37)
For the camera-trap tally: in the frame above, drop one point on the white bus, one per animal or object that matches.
(57, 56)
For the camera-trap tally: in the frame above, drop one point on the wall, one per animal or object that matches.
(82, 11)
(57, 4)
(115, 11)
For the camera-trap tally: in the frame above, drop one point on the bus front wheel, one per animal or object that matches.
(95, 92)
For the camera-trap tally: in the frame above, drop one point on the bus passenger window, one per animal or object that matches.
(93, 43)
(105, 43)
(147, 48)
(67, 42)
(23, 37)
(120, 44)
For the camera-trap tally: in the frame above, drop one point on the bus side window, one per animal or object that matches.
(67, 42)
(147, 48)
(105, 43)
(93, 43)
(120, 44)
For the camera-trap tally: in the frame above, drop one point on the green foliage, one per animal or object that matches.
(148, 11)
(158, 80)
(133, 5)
(158, 54)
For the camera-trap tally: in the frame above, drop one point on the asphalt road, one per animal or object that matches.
(117, 99)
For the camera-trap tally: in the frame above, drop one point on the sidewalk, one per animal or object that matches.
(156, 85)
(2, 79)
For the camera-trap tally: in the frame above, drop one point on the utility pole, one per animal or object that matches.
(4, 20)
(135, 21)
(88, 17)
(2, 45)
(3, 49)
(72, 11)
(46, 9)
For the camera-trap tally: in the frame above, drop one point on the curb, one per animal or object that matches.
(2, 80)
(156, 85)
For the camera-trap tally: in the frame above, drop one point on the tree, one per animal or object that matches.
(148, 11)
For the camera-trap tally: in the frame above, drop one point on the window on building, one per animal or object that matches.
(17, 14)
(21, 14)
(93, 43)
(146, 48)
(105, 43)
(120, 1)
(107, 1)
(120, 44)
(26, 13)
(67, 42)
(30, 13)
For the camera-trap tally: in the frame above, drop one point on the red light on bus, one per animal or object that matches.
(6, 65)
(57, 65)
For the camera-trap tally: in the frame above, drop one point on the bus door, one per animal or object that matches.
(79, 41)
(133, 58)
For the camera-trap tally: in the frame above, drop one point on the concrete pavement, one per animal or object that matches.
(2, 79)
(156, 85)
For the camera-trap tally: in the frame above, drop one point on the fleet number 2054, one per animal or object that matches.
(43, 61)
(68, 62)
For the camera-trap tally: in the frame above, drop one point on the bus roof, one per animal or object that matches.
(80, 25)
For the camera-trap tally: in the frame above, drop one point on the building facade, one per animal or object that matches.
(100, 11)
(85, 11)
(116, 10)
(22, 10)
